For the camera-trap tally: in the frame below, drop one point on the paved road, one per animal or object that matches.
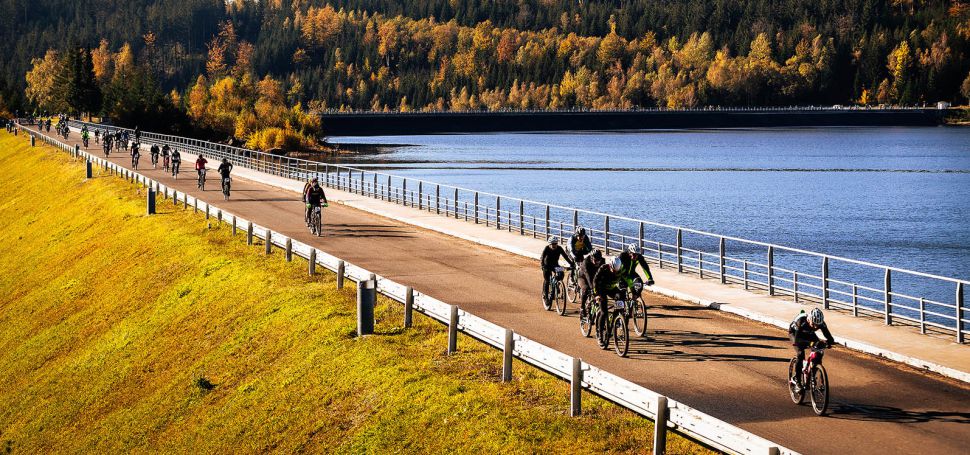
(731, 368)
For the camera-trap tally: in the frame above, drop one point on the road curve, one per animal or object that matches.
(729, 367)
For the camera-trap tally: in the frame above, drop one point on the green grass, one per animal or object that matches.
(121, 332)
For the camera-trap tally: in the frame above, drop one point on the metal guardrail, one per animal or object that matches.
(830, 108)
(896, 295)
(668, 414)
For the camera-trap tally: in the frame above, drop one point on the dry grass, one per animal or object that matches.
(127, 333)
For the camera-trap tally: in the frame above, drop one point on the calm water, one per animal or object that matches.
(895, 196)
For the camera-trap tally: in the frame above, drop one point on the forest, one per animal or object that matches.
(260, 71)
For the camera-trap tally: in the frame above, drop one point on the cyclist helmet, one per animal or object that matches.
(225, 160)
(617, 263)
(597, 254)
(580, 230)
(633, 248)
(314, 180)
(553, 240)
(816, 317)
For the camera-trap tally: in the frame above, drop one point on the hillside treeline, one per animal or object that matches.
(298, 57)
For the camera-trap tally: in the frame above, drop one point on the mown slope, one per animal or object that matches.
(122, 332)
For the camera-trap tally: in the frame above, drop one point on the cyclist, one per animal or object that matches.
(580, 245)
(548, 262)
(154, 152)
(200, 163)
(224, 169)
(135, 154)
(85, 136)
(97, 136)
(176, 162)
(801, 332)
(587, 271)
(165, 155)
(137, 134)
(315, 197)
(629, 260)
(605, 285)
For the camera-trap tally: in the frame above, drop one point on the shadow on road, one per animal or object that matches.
(877, 413)
(666, 344)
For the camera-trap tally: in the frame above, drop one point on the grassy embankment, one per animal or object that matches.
(122, 332)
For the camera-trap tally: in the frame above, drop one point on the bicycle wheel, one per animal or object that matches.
(621, 336)
(602, 336)
(638, 316)
(797, 395)
(572, 289)
(819, 381)
(560, 299)
(585, 322)
(547, 299)
(318, 221)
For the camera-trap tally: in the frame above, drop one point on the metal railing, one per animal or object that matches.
(898, 296)
(668, 414)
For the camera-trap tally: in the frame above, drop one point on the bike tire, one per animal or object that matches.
(572, 290)
(638, 316)
(585, 322)
(797, 397)
(621, 336)
(819, 381)
(560, 299)
(318, 221)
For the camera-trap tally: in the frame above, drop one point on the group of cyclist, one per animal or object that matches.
(600, 281)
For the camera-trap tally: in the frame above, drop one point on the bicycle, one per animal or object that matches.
(813, 378)
(165, 163)
(616, 328)
(134, 161)
(572, 292)
(226, 183)
(201, 178)
(316, 221)
(175, 169)
(556, 292)
(637, 310)
(84, 140)
(154, 161)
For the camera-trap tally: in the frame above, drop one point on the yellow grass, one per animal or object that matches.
(121, 332)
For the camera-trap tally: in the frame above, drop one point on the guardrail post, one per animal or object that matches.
(680, 251)
(234, 225)
(88, 170)
(437, 199)
(575, 219)
(151, 201)
(660, 426)
(700, 263)
(521, 217)
(77, 150)
(366, 297)
(404, 193)
(507, 350)
(312, 266)
(498, 213)
(33, 140)
(420, 195)
(922, 315)
(606, 235)
(794, 282)
(289, 250)
(547, 222)
(855, 300)
(185, 201)
(721, 260)
(408, 307)
(341, 271)
(195, 205)
(888, 293)
(453, 330)
(249, 233)
(268, 239)
(218, 215)
(456, 203)
(576, 389)
(771, 270)
(959, 305)
(476, 207)
(825, 282)
(374, 187)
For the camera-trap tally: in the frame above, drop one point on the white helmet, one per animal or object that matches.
(633, 248)
(554, 240)
(816, 317)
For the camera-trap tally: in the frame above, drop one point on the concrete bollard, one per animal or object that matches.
(576, 389)
(207, 211)
(341, 269)
(88, 170)
(249, 233)
(185, 201)
(33, 140)
(77, 150)
(660, 426)
(219, 216)
(196, 206)
(366, 298)
(289, 250)
(453, 330)
(408, 307)
(507, 350)
(269, 241)
(234, 225)
(312, 266)
(151, 202)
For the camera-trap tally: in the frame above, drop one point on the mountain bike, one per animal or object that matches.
(556, 292)
(637, 309)
(175, 169)
(814, 379)
(615, 326)
(165, 162)
(201, 179)
(226, 183)
(134, 161)
(154, 161)
(316, 220)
